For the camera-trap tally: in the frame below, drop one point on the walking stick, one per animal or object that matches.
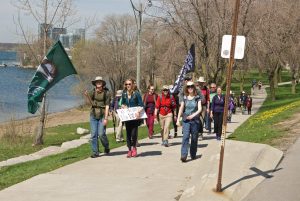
(114, 123)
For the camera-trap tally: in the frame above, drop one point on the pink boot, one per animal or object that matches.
(134, 152)
(129, 154)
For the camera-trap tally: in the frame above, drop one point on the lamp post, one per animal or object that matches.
(140, 11)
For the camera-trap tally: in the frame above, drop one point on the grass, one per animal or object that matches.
(261, 127)
(54, 136)
(17, 173)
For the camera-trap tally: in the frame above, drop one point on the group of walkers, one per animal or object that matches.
(197, 105)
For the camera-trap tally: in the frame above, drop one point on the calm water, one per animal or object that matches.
(14, 83)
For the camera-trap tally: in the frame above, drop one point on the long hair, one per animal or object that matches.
(186, 92)
(125, 88)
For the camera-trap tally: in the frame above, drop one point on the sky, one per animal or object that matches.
(85, 9)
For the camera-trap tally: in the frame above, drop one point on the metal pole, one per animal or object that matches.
(228, 85)
(138, 58)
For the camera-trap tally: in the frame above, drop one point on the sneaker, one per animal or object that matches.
(166, 144)
(94, 155)
(106, 151)
(133, 152)
(150, 137)
(193, 157)
(183, 159)
(218, 138)
(118, 140)
(129, 154)
(175, 134)
(138, 144)
(201, 136)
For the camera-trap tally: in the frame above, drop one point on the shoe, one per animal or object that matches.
(166, 144)
(175, 134)
(151, 137)
(118, 140)
(201, 136)
(193, 157)
(94, 155)
(183, 159)
(218, 138)
(106, 151)
(133, 152)
(138, 144)
(129, 154)
(170, 137)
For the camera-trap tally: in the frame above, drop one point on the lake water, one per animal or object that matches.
(14, 84)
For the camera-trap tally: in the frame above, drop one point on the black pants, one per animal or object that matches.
(218, 121)
(249, 110)
(132, 132)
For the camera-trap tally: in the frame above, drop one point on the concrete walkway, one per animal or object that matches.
(157, 173)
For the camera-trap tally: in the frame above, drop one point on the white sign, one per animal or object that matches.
(129, 113)
(239, 47)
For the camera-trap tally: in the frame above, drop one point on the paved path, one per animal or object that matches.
(285, 184)
(157, 173)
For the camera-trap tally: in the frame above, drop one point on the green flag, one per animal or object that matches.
(55, 66)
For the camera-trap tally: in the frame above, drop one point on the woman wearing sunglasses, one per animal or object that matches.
(132, 98)
(190, 109)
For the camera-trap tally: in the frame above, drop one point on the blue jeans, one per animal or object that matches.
(208, 122)
(98, 130)
(190, 127)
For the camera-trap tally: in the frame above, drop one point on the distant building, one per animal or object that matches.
(70, 39)
(56, 32)
(42, 28)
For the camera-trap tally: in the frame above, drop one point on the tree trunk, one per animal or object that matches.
(272, 88)
(40, 130)
(293, 86)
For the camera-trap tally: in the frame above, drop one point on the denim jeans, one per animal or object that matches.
(190, 127)
(98, 130)
(208, 122)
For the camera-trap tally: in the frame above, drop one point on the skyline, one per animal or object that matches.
(85, 9)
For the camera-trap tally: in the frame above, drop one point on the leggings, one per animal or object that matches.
(132, 132)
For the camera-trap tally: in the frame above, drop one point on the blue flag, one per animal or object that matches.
(188, 66)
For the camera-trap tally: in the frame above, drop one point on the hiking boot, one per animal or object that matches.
(94, 155)
(129, 154)
(166, 143)
(134, 152)
(106, 151)
(183, 159)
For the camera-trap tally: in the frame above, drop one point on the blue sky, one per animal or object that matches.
(85, 9)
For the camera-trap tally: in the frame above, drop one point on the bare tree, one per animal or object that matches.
(46, 13)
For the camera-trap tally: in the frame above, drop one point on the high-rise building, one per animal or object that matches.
(42, 28)
(70, 39)
(81, 33)
(56, 32)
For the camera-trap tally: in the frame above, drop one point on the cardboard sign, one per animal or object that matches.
(129, 113)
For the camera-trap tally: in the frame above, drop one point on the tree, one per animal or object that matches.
(46, 13)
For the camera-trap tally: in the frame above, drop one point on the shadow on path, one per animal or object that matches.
(257, 171)
(150, 153)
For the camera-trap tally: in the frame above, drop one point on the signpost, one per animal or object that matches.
(228, 85)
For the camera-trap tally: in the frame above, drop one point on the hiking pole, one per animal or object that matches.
(114, 123)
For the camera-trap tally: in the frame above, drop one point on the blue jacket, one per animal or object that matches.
(134, 101)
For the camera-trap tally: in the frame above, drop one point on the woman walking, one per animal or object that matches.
(131, 98)
(190, 109)
(165, 105)
(149, 100)
(217, 110)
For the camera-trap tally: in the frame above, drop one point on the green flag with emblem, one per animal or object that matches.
(55, 66)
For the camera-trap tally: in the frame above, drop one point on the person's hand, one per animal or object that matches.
(86, 93)
(124, 106)
(105, 121)
(207, 110)
(211, 115)
(178, 123)
(189, 117)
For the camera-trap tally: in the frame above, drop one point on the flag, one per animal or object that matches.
(55, 66)
(188, 66)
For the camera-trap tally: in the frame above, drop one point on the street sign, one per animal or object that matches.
(239, 47)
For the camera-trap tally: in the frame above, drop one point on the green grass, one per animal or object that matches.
(54, 136)
(261, 128)
(17, 173)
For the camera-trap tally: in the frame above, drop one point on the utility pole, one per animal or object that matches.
(228, 85)
(138, 56)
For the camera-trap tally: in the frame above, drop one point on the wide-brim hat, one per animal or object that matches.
(201, 79)
(165, 87)
(97, 79)
(243, 92)
(119, 93)
(190, 83)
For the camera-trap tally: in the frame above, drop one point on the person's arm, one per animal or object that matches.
(212, 106)
(107, 102)
(157, 105)
(180, 113)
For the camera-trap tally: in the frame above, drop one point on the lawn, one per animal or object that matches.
(17, 173)
(261, 127)
(54, 136)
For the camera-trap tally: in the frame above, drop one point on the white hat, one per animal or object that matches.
(98, 78)
(201, 79)
(243, 92)
(189, 83)
(119, 93)
(165, 87)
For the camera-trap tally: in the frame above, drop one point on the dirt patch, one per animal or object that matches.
(28, 126)
(291, 132)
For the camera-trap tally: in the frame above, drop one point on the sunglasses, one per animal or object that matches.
(165, 89)
(127, 84)
(191, 86)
